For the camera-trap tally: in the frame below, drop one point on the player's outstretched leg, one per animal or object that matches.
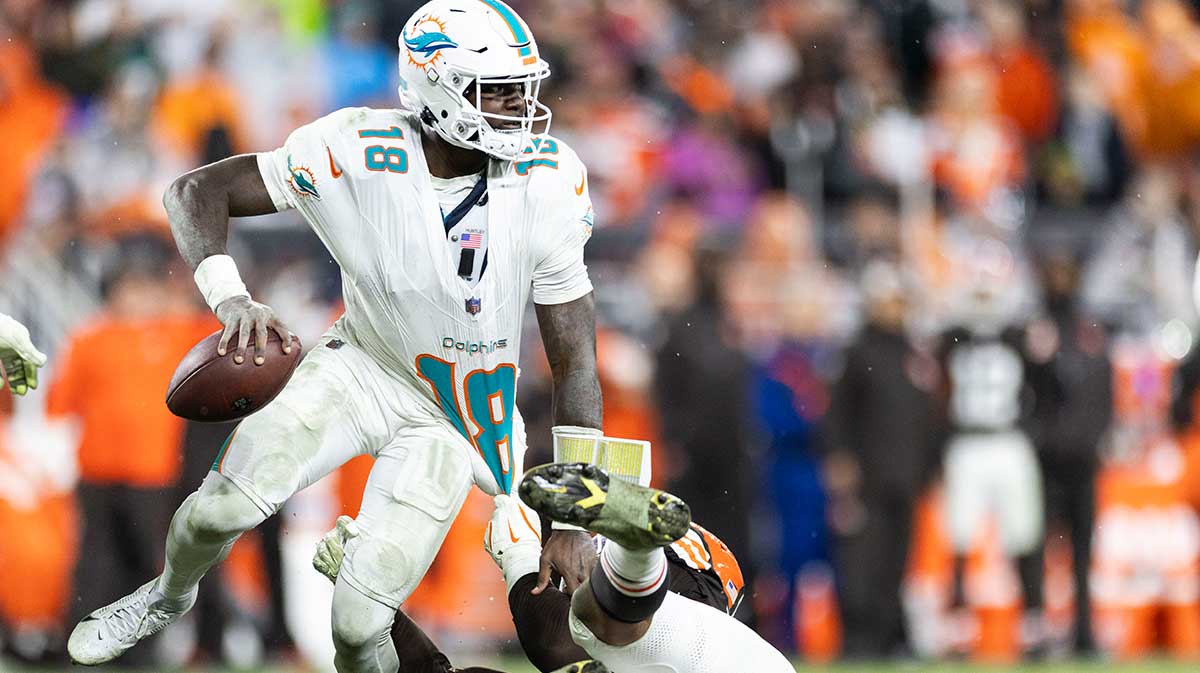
(630, 581)
(579, 494)
(202, 532)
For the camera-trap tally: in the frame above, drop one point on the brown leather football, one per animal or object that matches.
(210, 388)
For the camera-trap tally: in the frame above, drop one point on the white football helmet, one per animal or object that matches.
(452, 48)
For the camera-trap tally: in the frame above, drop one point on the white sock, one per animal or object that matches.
(634, 573)
(191, 550)
(187, 559)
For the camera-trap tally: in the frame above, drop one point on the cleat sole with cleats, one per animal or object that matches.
(583, 495)
(590, 666)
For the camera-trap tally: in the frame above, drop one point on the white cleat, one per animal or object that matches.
(110, 631)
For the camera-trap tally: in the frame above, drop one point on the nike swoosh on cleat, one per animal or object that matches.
(333, 169)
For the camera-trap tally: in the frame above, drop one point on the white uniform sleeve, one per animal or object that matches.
(312, 173)
(560, 275)
(291, 172)
(273, 167)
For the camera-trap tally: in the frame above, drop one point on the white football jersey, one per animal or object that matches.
(360, 179)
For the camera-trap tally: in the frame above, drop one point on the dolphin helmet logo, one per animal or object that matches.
(429, 42)
(426, 41)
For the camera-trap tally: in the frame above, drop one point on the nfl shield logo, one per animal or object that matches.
(473, 306)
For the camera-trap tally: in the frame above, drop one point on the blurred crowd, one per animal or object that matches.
(901, 290)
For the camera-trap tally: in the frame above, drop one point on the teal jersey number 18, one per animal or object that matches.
(489, 404)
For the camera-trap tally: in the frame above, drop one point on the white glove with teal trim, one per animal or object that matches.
(19, 359)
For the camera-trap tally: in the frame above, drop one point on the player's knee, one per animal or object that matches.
(352, 632)
(358, 621)
(219, 514)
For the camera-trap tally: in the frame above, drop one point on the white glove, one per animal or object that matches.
(19, 359)
(513, 538)
(331, 550)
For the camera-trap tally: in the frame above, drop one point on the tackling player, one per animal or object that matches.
(445, 217)
(627, 615)
(660, 599)
(19, 358)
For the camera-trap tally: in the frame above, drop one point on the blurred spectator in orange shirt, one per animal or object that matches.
(1150, 69)
(112, 377)
(32, 113)
(1105, 41)
(40, 541)
(977, 152)
(200, 115)
(1026, 91)
(1173, 48)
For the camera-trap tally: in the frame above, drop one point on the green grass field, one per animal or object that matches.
(520, 666)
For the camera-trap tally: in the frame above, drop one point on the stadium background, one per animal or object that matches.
(771, 178)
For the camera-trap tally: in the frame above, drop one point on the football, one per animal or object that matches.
(211, 388)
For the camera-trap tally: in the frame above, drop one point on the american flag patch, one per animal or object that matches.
(471, 241)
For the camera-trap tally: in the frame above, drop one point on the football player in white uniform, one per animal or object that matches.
(19, 358)
(445, 216)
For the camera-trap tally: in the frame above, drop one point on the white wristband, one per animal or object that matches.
(218, 280)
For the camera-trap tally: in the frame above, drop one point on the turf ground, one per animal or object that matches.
(520, 666)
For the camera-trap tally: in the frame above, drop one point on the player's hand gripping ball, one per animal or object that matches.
(211, 387)
(249, 320)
